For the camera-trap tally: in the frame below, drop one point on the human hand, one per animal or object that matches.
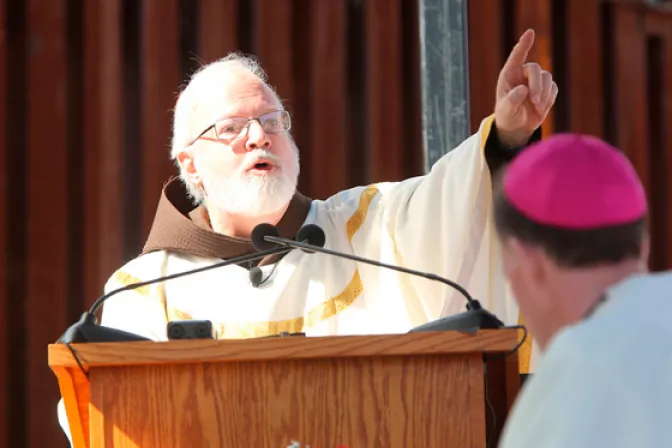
(525, 95)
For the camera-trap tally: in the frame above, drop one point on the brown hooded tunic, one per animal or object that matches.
(181, 226)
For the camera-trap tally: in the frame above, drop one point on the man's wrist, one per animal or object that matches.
(512, 139)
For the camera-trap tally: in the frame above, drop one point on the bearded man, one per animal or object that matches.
(239, 168)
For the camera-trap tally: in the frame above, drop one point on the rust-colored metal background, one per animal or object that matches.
(87, 88)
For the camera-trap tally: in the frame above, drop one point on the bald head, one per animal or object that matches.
(233, 85)
(222, 82)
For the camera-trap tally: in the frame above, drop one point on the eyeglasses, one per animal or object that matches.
(230, 128)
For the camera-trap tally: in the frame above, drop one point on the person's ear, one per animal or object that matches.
(646, 248)
(530, 260)
(518, 251)
(510, 255)
(186, 161)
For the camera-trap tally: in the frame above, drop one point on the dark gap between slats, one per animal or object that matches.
(76, 175)
(657, 161)
(131, 123)
(15, 164)
(246, 26)
(608, 65)
(301, 105)
(561, 64)
(357, 138)
(189, 62)
(412, 153)
(509, 37)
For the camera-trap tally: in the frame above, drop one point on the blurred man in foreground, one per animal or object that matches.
(571, 215)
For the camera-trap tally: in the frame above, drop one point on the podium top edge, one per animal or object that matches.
(282, 348)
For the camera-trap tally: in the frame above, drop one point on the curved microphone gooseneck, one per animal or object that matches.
(87, 328)
(475, 318)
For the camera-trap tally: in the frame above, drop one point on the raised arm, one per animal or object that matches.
(442, 222)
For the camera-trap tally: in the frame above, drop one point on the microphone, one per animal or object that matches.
(475, 318)
(87, 328)
(267, 237)
(256, 276)
(258, 234)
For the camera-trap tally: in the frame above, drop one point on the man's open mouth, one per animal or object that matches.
(261, 166)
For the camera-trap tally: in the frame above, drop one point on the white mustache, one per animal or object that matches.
(257, 154)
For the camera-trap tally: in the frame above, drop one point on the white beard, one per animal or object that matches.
(253, 195)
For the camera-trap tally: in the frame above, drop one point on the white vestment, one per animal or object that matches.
(606, 381)
(440, 223)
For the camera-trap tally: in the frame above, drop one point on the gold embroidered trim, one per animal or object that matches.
(323, 311)
(486, 130)
(358, 218)
(161, 287)
(175, 314)
(336, 304)
(126, 279)
(525, 350)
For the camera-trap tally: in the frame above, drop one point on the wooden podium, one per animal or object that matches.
(422, 390)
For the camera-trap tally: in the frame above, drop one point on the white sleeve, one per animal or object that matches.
(63, 420)
(141, 311)
(442, 223)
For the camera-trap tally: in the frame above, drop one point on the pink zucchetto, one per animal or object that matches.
(575, 182)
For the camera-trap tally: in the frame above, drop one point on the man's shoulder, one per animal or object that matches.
(620, 326)
(589, 350)
(361, 196)
(577, 343)
(350, 196)
(346, 202)
(141, 268)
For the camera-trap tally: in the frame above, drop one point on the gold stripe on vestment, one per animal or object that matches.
(312, 317)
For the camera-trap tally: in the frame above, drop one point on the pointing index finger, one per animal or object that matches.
(519, 53)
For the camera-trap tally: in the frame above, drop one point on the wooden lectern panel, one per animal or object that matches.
(357, 403)
(418, 389)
